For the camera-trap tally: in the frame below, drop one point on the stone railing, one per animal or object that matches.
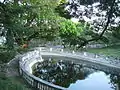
(96, 57)
(25, 68)
(89, 60)
(107, 64)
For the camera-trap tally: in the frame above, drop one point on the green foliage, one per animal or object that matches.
(63, 13)
(116, 32)
(68, 29)
(44, 8)
(7, 84)
(6, 55)
(28, 20)
(107, 51)
(62, 1)
(47, 22)
(20, 23)
(104, 39)
(74, 33)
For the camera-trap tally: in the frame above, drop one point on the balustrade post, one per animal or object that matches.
(50, 49)
(73, 51)
(20, 71)
(85, 54)
(35, 83)
(61, 50)
(96, 56)
(40, 49)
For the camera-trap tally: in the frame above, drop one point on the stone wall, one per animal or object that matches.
(89, 60)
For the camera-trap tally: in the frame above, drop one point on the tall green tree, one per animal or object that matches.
(22, 21)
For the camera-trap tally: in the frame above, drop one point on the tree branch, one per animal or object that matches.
(105, 28)
(109, 17)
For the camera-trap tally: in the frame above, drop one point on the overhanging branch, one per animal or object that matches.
(105, 28)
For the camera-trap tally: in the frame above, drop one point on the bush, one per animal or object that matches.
(6, 55)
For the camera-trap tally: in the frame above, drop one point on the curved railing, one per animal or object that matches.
(25, 71)
(107, 64)
(90, 60)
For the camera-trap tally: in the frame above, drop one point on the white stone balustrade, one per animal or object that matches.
(32, 57)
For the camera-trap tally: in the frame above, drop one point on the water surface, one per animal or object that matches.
(95, 81)
(75, 76)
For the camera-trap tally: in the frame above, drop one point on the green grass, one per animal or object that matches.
(108, 51)
(14, 83)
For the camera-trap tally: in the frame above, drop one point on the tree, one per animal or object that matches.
(70, 31)
(101, 14)
(22, 21)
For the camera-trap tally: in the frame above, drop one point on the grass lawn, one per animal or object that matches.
(14, 83)
(108, 51)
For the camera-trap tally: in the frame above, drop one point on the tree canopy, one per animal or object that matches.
(102, 15)
(21, 21)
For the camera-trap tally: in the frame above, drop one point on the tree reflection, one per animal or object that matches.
(65, 72)
(115, 81)
(61, 73)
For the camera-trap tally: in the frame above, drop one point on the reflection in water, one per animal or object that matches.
(95, 81)
(74, 76)
(115, 81)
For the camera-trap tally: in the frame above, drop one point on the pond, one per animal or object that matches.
(75, 76)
